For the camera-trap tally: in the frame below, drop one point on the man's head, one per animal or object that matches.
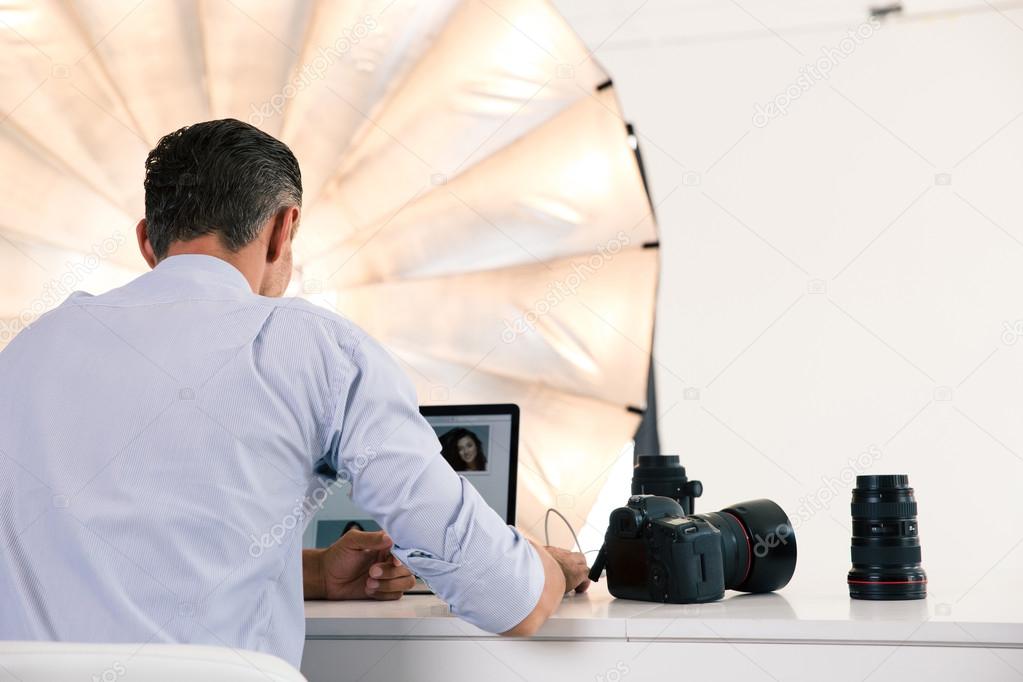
(226, 189)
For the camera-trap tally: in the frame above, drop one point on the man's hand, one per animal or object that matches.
(573, 565)
(358, 566)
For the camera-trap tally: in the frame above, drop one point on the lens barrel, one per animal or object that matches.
(758, 545)
(663, 475)
(885, 540)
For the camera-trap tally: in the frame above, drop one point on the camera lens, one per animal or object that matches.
(758, 545)
(663, 475)
(885, 540)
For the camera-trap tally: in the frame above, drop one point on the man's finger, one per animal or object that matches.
(375, 587)
(369, 540)
(388, 571)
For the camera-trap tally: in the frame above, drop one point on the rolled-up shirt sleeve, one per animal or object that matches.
(443, 530)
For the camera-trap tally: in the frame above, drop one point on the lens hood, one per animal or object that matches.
(772, 544)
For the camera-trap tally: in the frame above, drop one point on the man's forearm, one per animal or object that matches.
(553, 591)
(312, 574)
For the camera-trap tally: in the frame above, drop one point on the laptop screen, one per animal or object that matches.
(480, 442)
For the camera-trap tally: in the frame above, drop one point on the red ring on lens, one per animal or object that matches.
(749, 547)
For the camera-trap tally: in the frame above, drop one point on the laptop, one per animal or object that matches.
(480, 442)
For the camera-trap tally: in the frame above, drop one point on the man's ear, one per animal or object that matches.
(142, 234)
(281, 232)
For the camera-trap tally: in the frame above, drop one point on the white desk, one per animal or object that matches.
(783, 636)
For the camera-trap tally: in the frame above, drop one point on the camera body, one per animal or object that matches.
(654, 552)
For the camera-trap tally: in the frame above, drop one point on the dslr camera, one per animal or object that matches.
(656, 550)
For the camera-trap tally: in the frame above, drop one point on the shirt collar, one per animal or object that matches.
(207, 268)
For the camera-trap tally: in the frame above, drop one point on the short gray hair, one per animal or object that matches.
(221, 177)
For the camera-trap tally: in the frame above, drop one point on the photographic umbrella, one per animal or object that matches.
(473, 198)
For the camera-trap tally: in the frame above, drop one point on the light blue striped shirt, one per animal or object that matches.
(151, 437)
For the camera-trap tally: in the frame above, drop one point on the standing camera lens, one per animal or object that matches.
(885, 540)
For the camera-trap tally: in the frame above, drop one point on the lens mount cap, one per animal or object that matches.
(882, 481)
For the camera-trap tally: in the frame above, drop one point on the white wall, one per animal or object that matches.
(892, 188)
